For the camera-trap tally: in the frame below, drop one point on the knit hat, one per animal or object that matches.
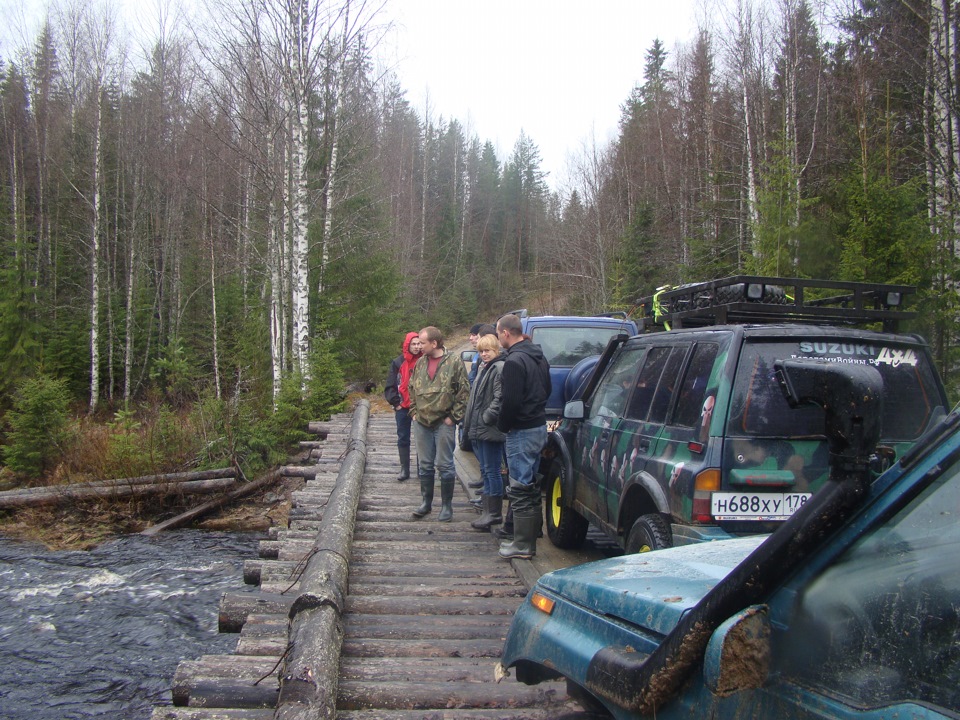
(476, 328)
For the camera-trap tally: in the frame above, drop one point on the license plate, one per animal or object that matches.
(756, 506)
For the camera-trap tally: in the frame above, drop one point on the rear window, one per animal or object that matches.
(911, 395)
(566, 346)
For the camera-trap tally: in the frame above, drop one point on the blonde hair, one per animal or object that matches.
(488, 342)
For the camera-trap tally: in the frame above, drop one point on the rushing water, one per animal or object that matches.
(99, 634)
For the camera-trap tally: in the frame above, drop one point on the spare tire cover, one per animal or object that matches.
(578, 377)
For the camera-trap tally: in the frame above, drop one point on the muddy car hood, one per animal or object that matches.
(650, 590)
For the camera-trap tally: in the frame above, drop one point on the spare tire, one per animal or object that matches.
(577, 379)
(772, 294)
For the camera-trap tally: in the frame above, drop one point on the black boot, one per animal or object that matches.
(446, 500)
(404, 463)
(492, 513)
(426, 492)
(505, 531)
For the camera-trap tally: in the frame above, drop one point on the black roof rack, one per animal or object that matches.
(757, 299)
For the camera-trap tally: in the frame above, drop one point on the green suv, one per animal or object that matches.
(683, 436)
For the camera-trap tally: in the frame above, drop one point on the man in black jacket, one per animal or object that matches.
(525, 389)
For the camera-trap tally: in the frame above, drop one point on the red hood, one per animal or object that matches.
(407, 355)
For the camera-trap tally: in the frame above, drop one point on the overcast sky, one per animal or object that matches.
(557, 69)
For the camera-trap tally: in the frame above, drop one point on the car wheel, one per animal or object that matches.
(566, 528)
(649, 532)
(593, 709)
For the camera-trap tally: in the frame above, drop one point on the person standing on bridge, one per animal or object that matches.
(439, 391)
(398, 396)
(480, 425)
(525, 386)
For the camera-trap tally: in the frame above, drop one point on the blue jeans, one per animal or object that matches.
(490, 455)
(402, 416)
(523, 453)
(435, 450)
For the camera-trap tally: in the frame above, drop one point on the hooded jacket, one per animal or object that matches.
(525, 386)
(444, 396)
(397, 390)
(483, 409)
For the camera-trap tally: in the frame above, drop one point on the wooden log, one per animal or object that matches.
(432, 606)
(235, 607)
(434, 648)
(551, 711)
(319, 428)
(308, 687)
(124, 482)
(208, 507)
(65, 493)
(412, 627)
(182, 713)
(226, 693)
(357, 695)
(311, 444)
(400, 669)
(271, 645)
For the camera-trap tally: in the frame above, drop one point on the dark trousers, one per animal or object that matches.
(402, 416)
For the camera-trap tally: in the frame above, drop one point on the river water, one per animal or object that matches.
(99, 634)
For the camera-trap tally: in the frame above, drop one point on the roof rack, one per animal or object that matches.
(757, 299)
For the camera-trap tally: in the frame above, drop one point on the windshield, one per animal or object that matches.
(758, 408)
(566, 346)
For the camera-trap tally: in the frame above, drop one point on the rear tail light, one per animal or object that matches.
(706, 483)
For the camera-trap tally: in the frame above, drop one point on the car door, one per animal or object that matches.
(648, 411)
(604, 414)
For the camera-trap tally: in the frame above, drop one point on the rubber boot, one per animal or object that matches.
(524, 543)
(404, 463)
(505, 531)
(492, 513)
(446, 500)
(426, 492)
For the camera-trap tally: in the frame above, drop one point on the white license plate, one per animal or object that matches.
(756, 506)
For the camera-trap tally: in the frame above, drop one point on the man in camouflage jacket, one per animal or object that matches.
(439, 391)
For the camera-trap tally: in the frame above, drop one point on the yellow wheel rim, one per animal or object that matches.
(556, 493)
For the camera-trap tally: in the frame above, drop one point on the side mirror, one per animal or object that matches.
(573, 410)
(738, 654)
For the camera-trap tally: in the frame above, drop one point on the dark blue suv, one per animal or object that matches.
(566, 340)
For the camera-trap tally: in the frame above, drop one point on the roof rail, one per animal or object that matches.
(618, 314)
(757, 299)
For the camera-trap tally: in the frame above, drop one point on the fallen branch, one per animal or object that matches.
(63, 493)
(200, 510)
(227, 472)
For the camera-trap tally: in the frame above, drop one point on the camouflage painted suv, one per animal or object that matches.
(683, 436)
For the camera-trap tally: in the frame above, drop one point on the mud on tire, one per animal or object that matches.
(566, 528)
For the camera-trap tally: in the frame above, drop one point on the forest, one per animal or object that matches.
(205, 234)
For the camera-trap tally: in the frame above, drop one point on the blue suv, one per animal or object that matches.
(849, 609)
(566, 340)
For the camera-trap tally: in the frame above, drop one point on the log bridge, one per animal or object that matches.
(362, 613)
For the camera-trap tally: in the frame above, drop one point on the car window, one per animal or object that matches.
(882, 623)
(758, 408)
(666, 386)
(647, 383)
(566, 346)
(690, 405)
(610, 396)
